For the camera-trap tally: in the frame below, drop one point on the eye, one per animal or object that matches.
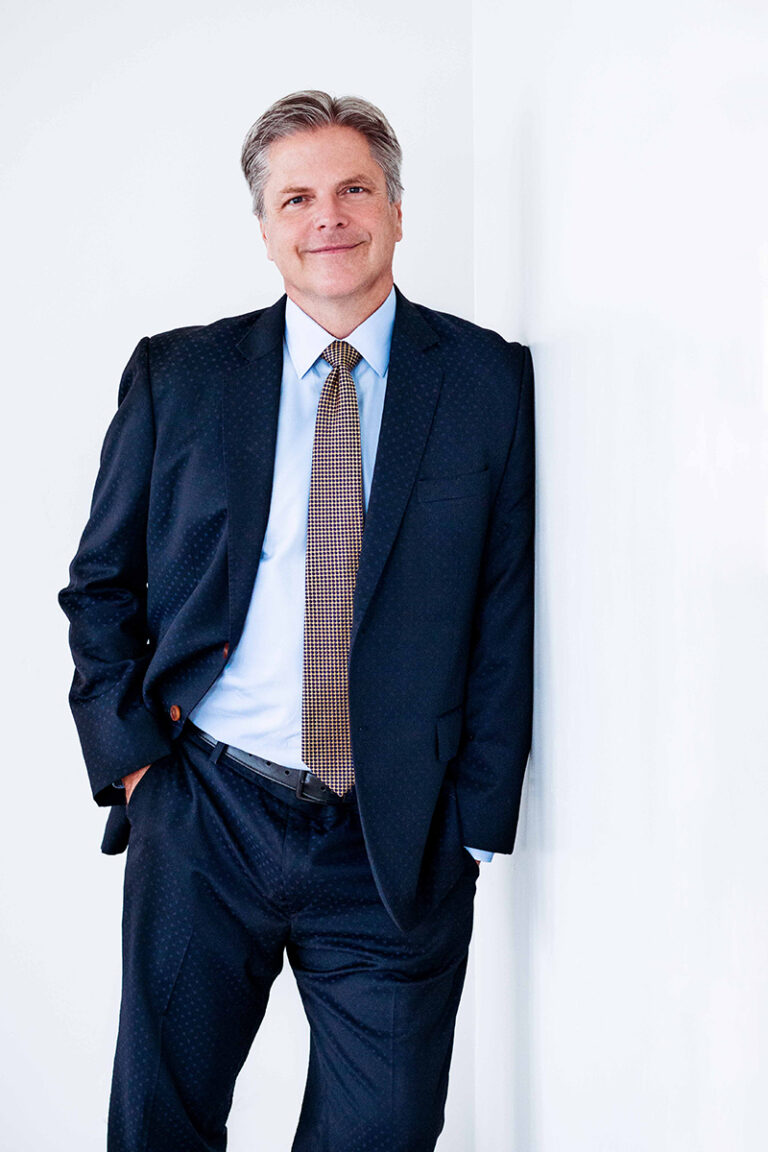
(356, 188)
(294, 200)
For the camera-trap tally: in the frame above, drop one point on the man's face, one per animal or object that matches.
(327, 223)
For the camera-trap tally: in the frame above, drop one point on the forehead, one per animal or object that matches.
(334, 152)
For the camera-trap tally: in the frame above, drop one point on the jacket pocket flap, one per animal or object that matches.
(452, 487)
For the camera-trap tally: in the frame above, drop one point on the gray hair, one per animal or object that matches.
(303, 111)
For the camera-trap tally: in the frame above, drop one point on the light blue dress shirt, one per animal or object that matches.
(255, 703)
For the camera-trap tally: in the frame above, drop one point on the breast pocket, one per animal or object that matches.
(463, 486)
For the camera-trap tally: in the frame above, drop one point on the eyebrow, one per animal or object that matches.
(293, 190)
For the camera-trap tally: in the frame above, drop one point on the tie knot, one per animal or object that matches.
(342, 355)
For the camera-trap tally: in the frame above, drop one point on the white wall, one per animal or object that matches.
(124, 212)
(620, 214)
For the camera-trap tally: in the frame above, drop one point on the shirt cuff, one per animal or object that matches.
(480, 853)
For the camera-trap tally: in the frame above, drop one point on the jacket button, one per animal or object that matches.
(175, 712)
(225, 650)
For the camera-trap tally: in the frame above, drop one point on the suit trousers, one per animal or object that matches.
(227, 870)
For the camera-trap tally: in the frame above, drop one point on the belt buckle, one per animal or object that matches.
(304, 773)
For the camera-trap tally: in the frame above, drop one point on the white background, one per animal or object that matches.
(589, 180)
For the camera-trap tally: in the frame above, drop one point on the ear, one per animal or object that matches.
(399, 210)
(264, 237)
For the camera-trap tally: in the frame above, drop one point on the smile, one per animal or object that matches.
(337, 248)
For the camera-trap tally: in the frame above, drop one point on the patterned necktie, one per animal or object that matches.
(334, 538)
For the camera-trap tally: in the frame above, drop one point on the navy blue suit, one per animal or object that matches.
(440, 665)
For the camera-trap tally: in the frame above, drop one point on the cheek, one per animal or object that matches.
(390, 229)
(280, 245)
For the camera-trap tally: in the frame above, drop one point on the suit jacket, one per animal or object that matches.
(441, 653)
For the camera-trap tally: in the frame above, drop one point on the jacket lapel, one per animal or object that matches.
(413, 385)
(251, 403)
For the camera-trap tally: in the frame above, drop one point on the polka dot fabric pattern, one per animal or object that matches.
(440, 655)
(227, 874)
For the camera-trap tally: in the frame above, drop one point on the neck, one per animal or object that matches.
(340, 317)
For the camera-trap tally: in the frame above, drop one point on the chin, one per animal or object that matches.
(335, 289)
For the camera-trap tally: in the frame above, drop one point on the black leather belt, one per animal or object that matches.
(301, 781)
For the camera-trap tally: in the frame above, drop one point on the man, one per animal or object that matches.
(301, 617)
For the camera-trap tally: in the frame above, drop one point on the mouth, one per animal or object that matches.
(333, 248)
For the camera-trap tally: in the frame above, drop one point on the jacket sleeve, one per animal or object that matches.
(106, 598)
(491, 762)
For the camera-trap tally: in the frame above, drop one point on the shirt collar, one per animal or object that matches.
(306, 339)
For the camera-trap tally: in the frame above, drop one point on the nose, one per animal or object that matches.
(330, 212)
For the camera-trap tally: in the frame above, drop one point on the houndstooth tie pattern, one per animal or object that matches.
(334, 538)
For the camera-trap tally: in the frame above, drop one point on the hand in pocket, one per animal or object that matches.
(132, 779)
